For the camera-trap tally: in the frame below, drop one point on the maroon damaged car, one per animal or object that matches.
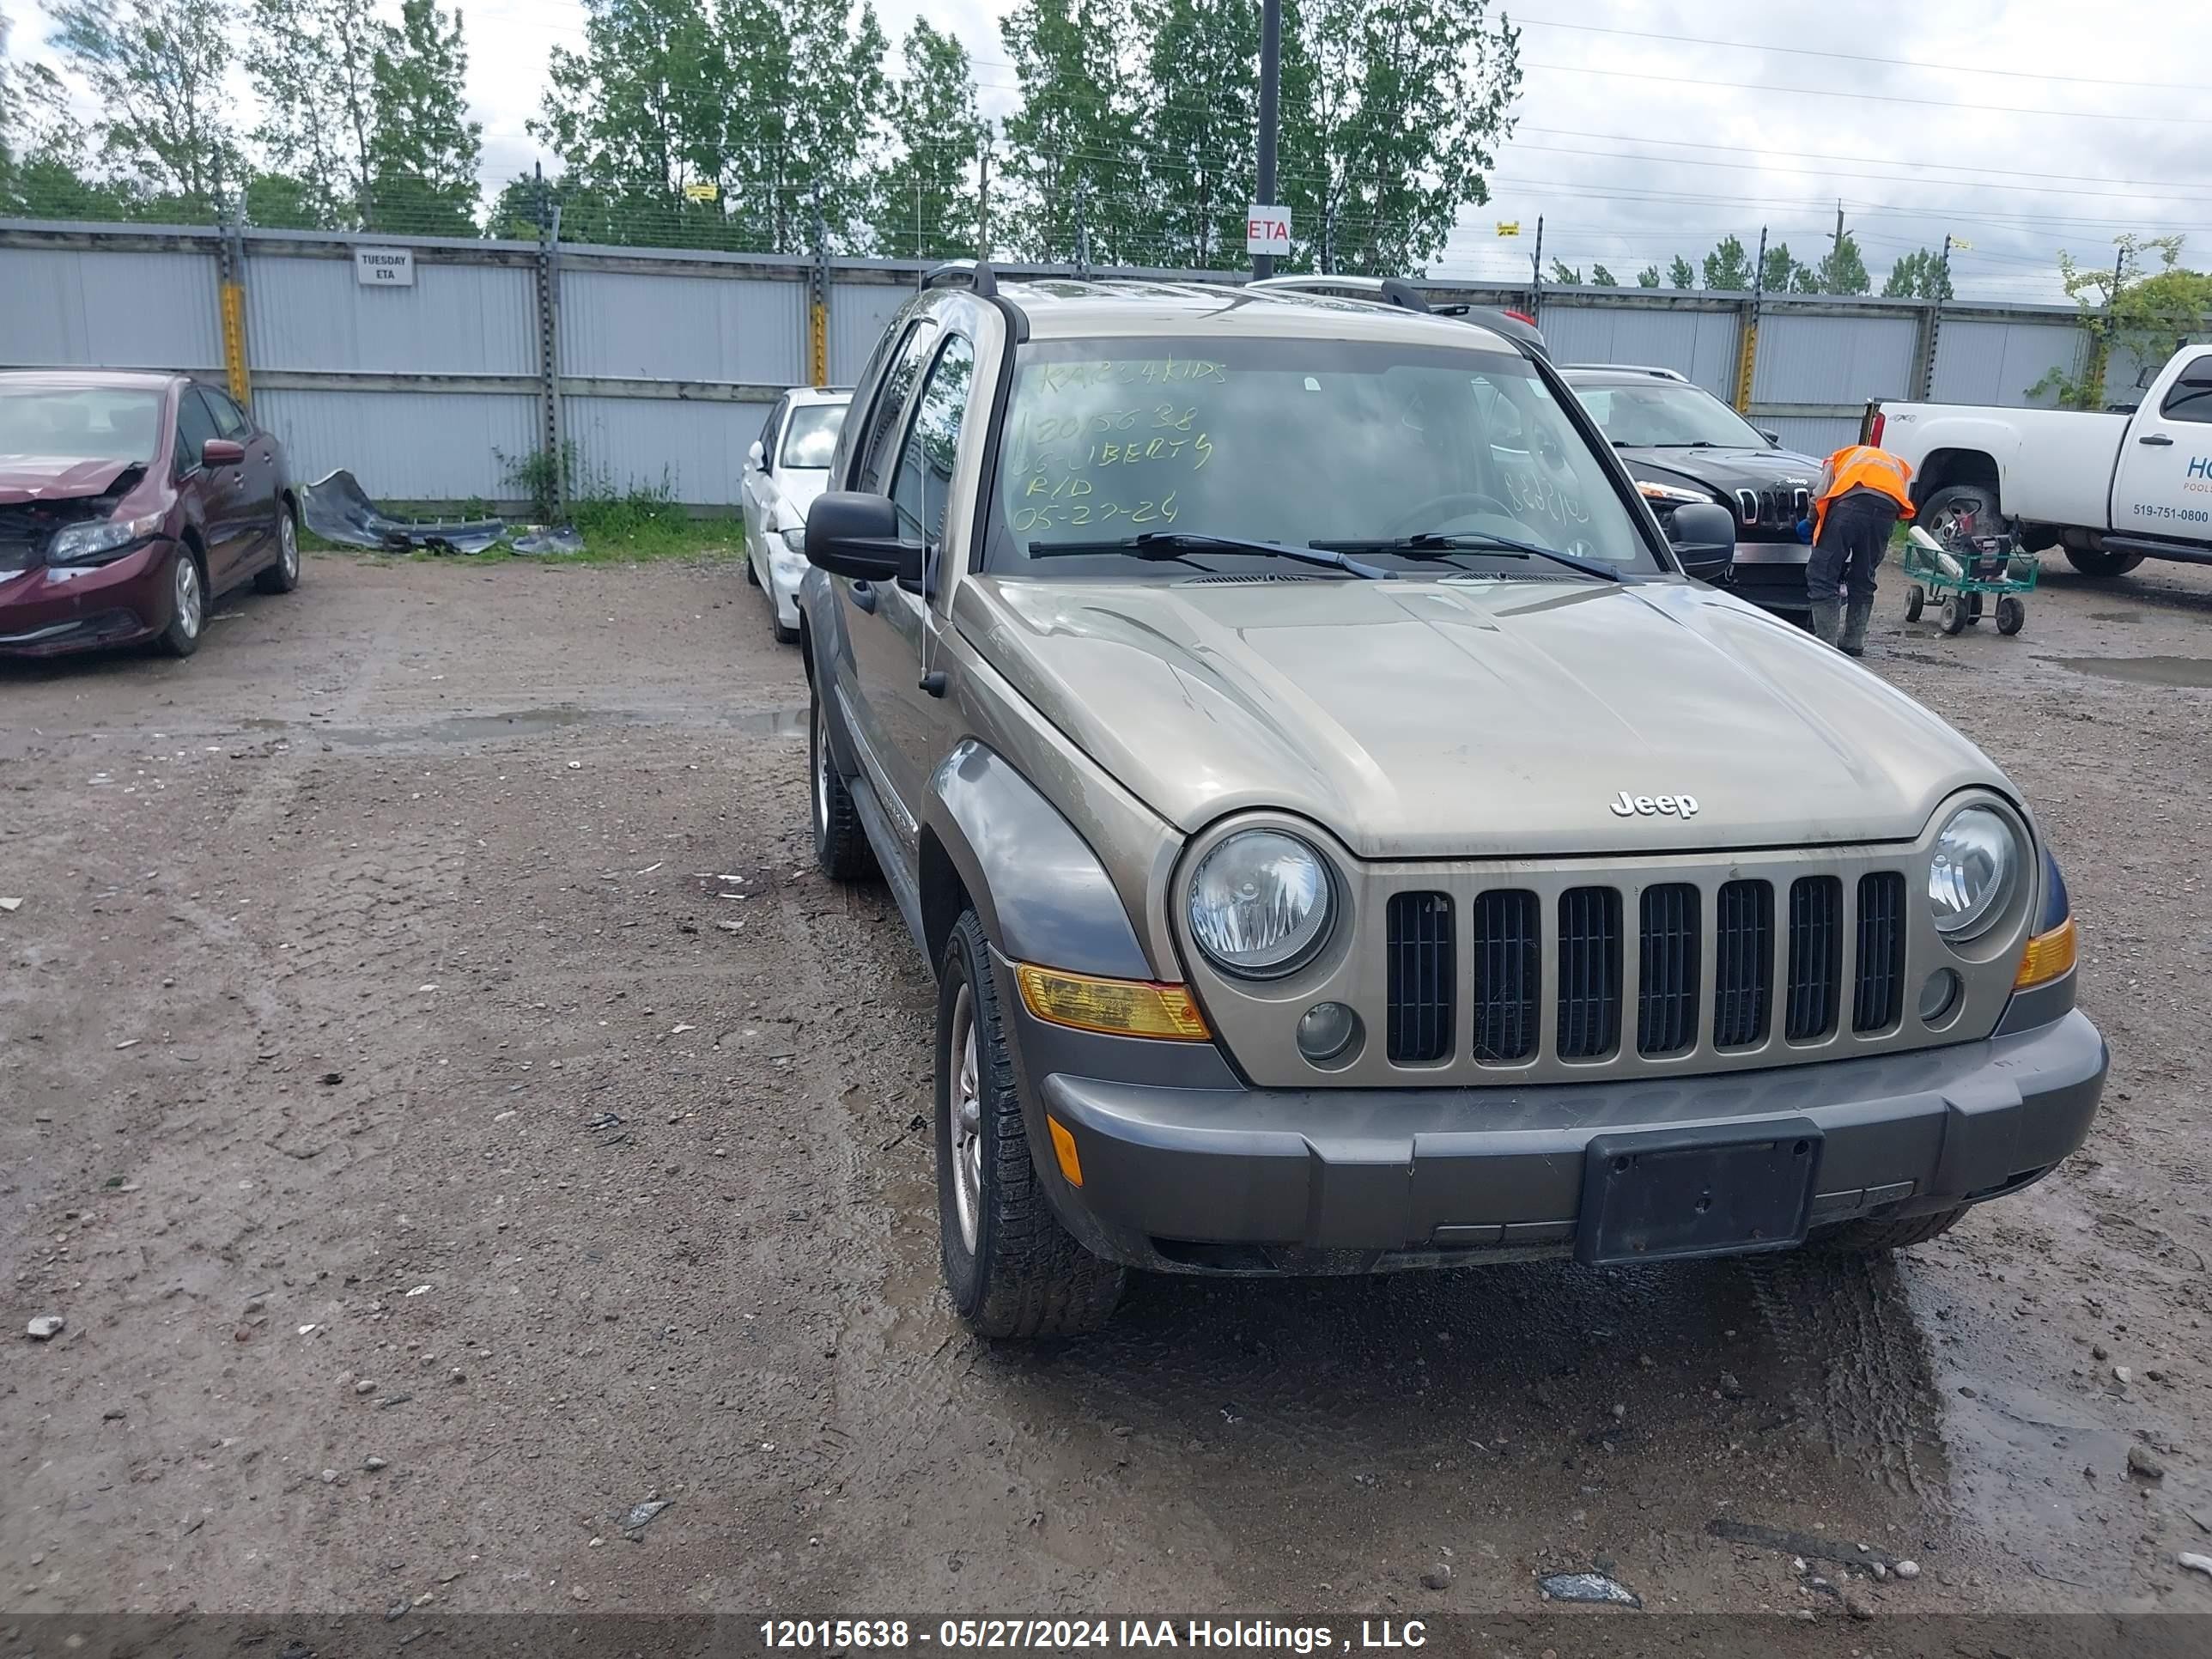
(128, 502)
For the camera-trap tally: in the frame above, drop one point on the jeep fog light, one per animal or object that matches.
(1972, 872)
(1326, 1030)
(1260, 904)
(1937, 996)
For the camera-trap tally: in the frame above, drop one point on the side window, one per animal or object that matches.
(2190, 398)
(876, 449)
(195, 426)
(923, 478)
(230, 420)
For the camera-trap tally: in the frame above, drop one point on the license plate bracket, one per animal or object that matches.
(1666, 1194)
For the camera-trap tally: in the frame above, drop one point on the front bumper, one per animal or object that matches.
(785, 570)
(1208, 1175)
(50, 612)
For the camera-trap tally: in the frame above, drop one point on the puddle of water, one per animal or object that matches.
(788, 721)
(2194, 672)
(2116, 616)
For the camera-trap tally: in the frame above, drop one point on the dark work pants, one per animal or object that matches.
(1851, 544)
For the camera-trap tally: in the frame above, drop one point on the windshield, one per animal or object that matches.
(811, 436)
(79, 423)
(1667, 413)
(1296, 441)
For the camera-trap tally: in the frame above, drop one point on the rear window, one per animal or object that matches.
(79, 423)
(811, 436)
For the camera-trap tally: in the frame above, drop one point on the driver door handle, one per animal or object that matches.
(2158, 438)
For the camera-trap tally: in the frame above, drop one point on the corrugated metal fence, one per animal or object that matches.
(661, 365)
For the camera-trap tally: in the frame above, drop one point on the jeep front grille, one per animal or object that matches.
(1879, 997)
(1422, 955)
(1816, 949)
(1509, 965)
(1743, 963)
(1679, 1009)
(1590, 972)
(1667, 985)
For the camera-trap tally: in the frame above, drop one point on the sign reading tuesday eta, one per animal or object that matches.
(384, 267)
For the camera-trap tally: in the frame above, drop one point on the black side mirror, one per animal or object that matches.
(1770, 434)
(849, 533)
(1703, 532)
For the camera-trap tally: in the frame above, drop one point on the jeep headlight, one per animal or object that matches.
(1261, 903)
(1972, 872)
(794, 537)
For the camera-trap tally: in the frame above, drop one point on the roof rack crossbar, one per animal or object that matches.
(974, 275)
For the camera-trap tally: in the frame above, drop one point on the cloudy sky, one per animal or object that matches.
(1647, 128)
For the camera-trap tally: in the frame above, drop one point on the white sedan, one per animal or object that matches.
(785, 471)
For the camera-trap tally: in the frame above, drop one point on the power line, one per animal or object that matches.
(1856, 58)
(1888, 97)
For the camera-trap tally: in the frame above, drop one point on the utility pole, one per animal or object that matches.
(917, 215)
(1836, 259)
(1536, 274)
(1271, 77)
(1082, 228)
(818, 309)
(983, 200)
(1747, 362)
(1935, 323)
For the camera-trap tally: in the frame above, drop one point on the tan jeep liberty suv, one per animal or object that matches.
(1345, 841)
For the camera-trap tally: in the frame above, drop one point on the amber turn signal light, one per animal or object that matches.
(2050, 956)
(1119, 1008)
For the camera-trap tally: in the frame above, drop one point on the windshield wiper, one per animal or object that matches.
(1434, 545)
(1173, 544)
(1685, 443)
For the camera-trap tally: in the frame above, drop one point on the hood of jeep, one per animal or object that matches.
(1448, 718)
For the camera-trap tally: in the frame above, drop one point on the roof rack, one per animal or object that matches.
(974, 275)
(1653, 370)
(1401, 294)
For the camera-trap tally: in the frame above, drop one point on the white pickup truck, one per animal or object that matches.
(2111, 490)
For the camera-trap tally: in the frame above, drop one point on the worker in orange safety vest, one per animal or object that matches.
(1862, 493)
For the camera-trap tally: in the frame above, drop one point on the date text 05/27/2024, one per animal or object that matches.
(1113, 1634)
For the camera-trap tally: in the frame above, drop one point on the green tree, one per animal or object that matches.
(422, 157)
(1920, 275)
(1603, 277)
(278, 200)
(928, 203)
(314, 64)
(1408, 98)
(156, 69)
(1647, 277)
(2145, 305)
(637, 115)
(1842, 269)
(1728, 268)
(1565, 274)
(1072, 141)
(1198, 139)
(1679, 274)
(804, 87)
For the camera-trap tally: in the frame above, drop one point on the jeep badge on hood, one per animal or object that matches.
(1679, 806)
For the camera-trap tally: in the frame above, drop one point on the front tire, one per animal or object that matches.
(187, 605)
(841, 846)
(2102, 566)
(1956, 615)
(282, 576)
(1013, 1271)
(1915, 601)
(2012, 615)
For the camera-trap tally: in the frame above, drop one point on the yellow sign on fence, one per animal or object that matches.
(1509, 227)
(701, 192)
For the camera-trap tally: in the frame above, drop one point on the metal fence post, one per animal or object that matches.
(549, 351)
(230, 270)
(1746, 359)
(817, 301)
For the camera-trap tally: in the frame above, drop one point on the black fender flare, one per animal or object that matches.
(1040, 892)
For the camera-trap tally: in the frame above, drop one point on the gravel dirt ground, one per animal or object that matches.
(449, 1113)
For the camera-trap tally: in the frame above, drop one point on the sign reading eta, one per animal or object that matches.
(1268, 230)
(384, 267)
